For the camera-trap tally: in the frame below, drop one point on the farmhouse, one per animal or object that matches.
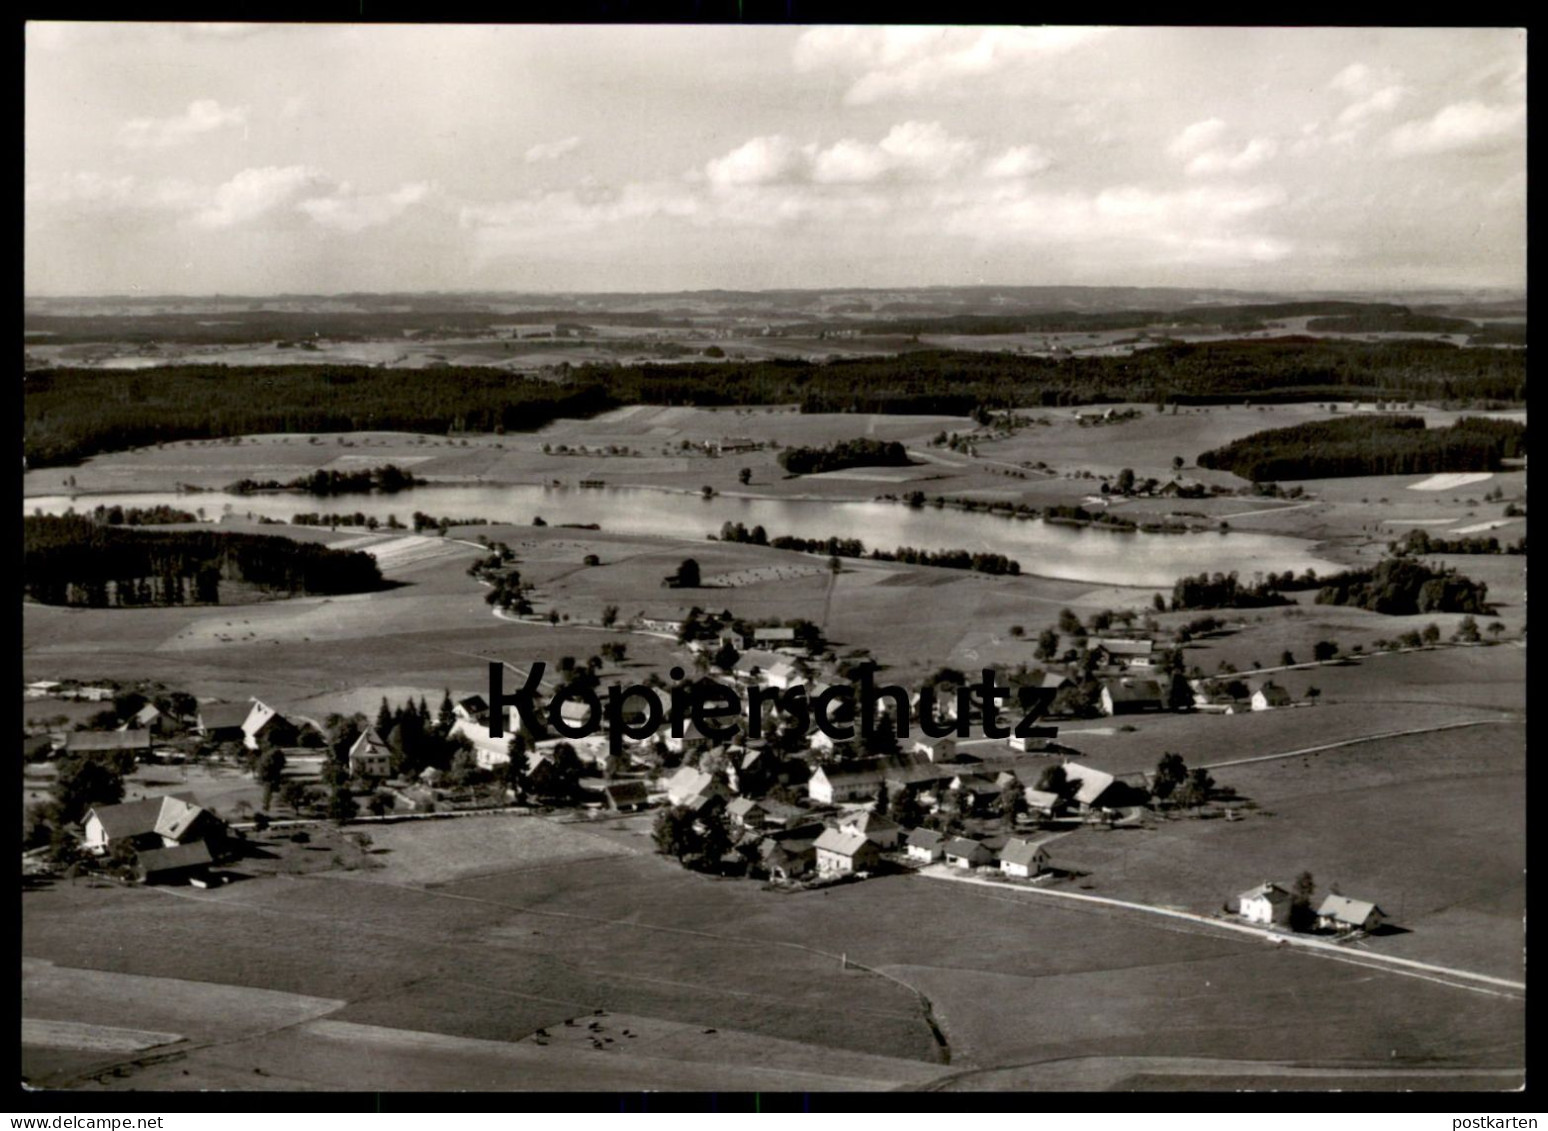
(1041, 801)
(148, 717)
(745, 813)
(370, 757)
(962, 852)
(1131, 696)
(840, 853)
(1267, 903)
(769, 668)
(40, 689)
(473, 709)
(1340, 913)
(925, 846)
(935, 749)
(169, 865)
(222, 722)
(687, 783)
(1024, 858)
(771, 638)
(152, 822)
(1121, 653)
(1269, 696)
(1035, 740)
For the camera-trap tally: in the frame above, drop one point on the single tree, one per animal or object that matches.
(1302, 893)
(744, 476)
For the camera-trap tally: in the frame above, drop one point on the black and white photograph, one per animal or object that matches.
(773, 560)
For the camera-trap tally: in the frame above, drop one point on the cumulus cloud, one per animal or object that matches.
(99, 193)
(551, 150)
(1461, 127)
(760, 161)
(200, 118)
(1352, 79)
(349, 211)
(255, 192)
(1377, 102)
(1196, 137)
(1225, 160)
(905, 62)
(1018, 161)
(909, 151)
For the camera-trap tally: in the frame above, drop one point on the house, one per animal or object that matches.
(1102, 791)
(1269, 696)
(152, 822)
(40, 689)
(1340, 913)
(745, 813)
(92, 694)
(148, 718)
(222, 722)
(108, 742)
(661, 624)
(431, 776)
(768, 668)
(841, 854)
(473, 709)
(170, 865)
(370, 757)
(960, 852)
(771, 638)
(790, 852)
(1121, 653)
(692, 737)
(263, 722)
(1131, 696)
(935, 749)
(625, 796)
(879, 830)
(687, 782)
(925, 846)
(1023, 858)
(1041, 801)
(831, 785)
(1268, 903)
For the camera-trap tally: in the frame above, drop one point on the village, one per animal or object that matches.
(790, 804)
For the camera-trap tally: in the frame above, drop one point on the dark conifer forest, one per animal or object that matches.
(73, 560)
(1371, 445)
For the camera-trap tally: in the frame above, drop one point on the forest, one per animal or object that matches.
(843, 454)
(70, 414)
(1370, 445)
(74, 560)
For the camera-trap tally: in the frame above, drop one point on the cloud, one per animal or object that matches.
(1352, 79)
(1223, 160)
(254, 192)
(1377, 102)
(1018, 161)
(760, 161)
(201, 117)
(906, 62)
(551, 150)
(1461, 127)
(349, 211)
(96, 192)
(1196, 137)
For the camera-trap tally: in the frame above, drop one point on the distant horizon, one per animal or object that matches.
(1248, 292)
(262, 158)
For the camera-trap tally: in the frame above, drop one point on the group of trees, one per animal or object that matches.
(388, 478)
(1402, 587)
(1419, 541)
(71, 560)
(1372, 445)
(844, 454)
(1174, 784)
(1225, 591)
(158, 515)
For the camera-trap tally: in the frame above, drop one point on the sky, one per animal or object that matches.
(263, 158)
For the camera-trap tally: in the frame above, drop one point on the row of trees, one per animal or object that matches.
(389, 478)
(854, 548)
(72, 560)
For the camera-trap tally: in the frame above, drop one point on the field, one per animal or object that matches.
(718, 981)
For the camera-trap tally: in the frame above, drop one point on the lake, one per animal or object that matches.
(1050, 550)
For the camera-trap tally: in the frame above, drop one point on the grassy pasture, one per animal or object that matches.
(1429, 826)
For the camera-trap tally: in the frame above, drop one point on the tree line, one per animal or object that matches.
(389, 479)
(1376, 445)
(854, 548)
(72, 560)
(72, 413)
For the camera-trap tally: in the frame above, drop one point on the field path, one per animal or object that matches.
(1443, 975)
(1363, 738)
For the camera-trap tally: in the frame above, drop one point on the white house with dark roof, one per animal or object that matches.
(1122, 653)
(840, 853)
(1268, 903)
(1131, 696)
(1024, 858)
(1269, 696)
(370, 757)
(1340, 913)
(925, 846)
(152, 822)
(961, 852)
(881, 831)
